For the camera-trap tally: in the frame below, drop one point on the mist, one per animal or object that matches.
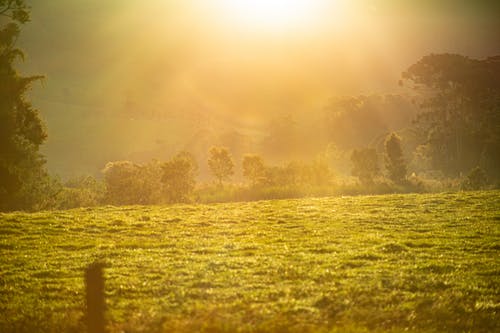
(135, 80)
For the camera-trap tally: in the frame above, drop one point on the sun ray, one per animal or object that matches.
(271, 15)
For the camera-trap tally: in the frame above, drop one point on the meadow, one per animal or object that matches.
(392, 263)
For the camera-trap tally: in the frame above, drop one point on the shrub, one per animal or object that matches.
(475, 180)
(128, 183)
(85, 191)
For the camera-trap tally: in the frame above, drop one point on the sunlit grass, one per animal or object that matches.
(424, 263)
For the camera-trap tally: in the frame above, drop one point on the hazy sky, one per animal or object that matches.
(176, 52)
(212, 57)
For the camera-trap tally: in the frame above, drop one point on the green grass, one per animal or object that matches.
(395, 263)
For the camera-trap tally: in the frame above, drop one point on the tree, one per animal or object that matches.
(121, 182)
(460, 111)
(82, 191)
(179, 177)
(253, 168)
(283, 139)
(15, 10)
(220, 163)
(355, 121)
(365, 165)
(23, 179)
(128, 183)
(475, 180)
(394, 161)
(318, 172)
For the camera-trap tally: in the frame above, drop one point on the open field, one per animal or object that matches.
(424, 263)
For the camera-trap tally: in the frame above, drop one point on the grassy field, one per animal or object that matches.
(423, 263)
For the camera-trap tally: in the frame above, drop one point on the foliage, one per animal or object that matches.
(394, 160)
(286, 175)
(365, 165)
(16, 10)
(355, 121)
(23, 178)
(460, 117)
(475, 180)
(83, 191)
(318, 172)
(298, 173)
(178, 177)
(393, 263)
(220, 163)
(284, 137)
(253, 168)
(130, 183)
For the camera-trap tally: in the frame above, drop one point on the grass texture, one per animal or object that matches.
(392, 263)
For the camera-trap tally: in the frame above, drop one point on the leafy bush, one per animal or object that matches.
(83, 191)
(128, 183)
(475, 180)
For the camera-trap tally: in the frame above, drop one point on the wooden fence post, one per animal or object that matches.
(94, 284)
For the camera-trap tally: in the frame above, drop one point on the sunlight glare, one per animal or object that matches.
(271, 15)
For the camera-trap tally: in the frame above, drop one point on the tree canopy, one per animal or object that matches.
(365, 165)
(179, 177)
(460, 124)
(22, 172)
(220, 163)
(394, 159)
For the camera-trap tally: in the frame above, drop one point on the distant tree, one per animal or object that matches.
(394, 160)
(149, 183)
(283, 138)
(23, 179)
(299, 173)
(365, 165)
(220, 163)
(279, 176)
(253, 168)
(318, 172)
(128, 183)
(179, 177)
(475, 180)
(121, 182)
(460, 111)
(355, 121)
(84, 191)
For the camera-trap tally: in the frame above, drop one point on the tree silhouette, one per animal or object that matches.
(394, 161)
(179, 177)
(129, 183)
(253, 168)
(22, 172)
(460, 111)
(220, 163)
(365, 165)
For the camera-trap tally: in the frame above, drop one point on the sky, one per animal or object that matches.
(156, 69)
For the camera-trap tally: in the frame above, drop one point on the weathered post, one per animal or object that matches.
(94, 283)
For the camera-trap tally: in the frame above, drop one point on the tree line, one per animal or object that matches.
(175, 180)
(455, 135)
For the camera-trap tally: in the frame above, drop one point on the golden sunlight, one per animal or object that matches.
(272, 15)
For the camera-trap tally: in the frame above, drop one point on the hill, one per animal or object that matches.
(418, 263)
